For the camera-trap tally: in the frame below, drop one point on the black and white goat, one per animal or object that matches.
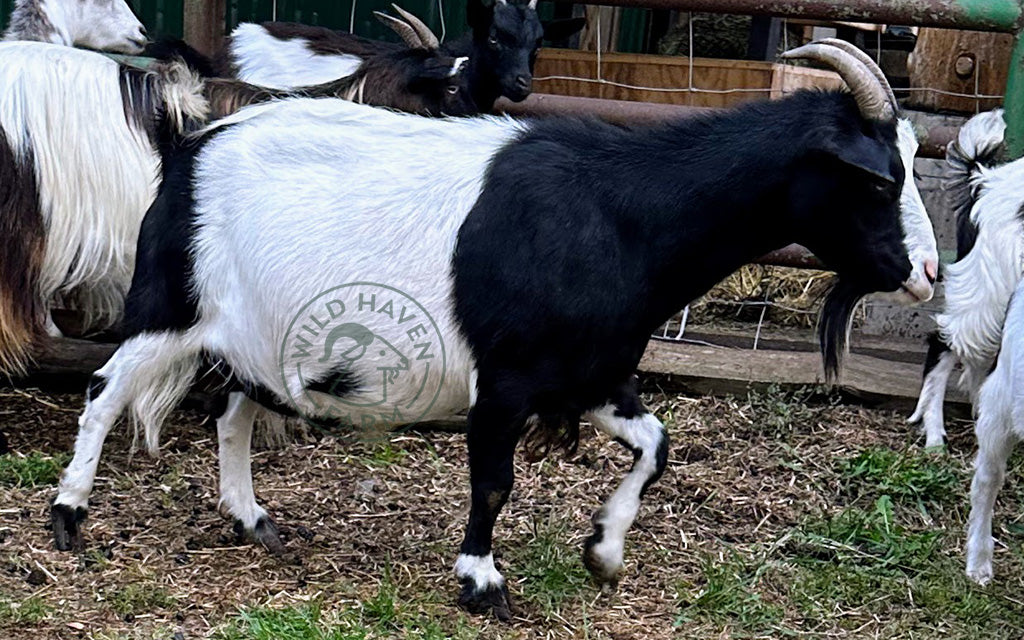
(987, 199)
(103, 25)
(501, 48)
(520, 267)
(80, 167)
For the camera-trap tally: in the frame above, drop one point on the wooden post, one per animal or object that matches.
(958, 62)
(204, 24)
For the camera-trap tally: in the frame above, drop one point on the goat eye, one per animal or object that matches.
(492, 41)
(453, 89)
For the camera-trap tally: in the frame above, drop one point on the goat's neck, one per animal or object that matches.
(696, 212)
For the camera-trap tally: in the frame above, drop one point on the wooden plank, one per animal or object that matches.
(961, 62)
(631, 73)
(773, 339)
(67, 363)
(204, 24)
(716, 370)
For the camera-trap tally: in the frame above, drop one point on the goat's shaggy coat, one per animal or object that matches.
(79, 181)
(544, 253)
(987, 201)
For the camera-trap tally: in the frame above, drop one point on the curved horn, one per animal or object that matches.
(864, 58)
(423, 31)
(866, 89)
(404, 31)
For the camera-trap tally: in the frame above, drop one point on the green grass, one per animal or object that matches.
(386, 614)
(905, 476)
(384, 455)
(551, 570)
(138, 598)
(729, 595)
(32, 470)
(777, 411)
(866, 559)
(30, 611)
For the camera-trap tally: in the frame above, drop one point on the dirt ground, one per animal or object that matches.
(779, 515)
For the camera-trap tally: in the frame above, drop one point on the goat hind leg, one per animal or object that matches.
(930, 402)
(234, 436)
(137, 363)
(626, 421)
(995, 443)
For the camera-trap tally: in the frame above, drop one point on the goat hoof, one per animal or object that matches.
(492, 600)
(65, 522)
(980, 575)
(265, 533)
(604, 565)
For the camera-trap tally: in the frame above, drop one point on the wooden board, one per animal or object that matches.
(671, 72)
(960, 62)
(717, 370)
(67, 363)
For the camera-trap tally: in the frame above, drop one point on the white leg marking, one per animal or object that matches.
(929, 404)
(479, 570)
(234, 435)
(646, 434)
(138, 365)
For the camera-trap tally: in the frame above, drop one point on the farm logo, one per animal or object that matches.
(363, 359)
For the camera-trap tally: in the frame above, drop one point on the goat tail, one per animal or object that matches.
(154, 402)
(979, 144)
(22, 312)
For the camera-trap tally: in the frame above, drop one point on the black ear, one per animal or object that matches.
(863, 152)
(556, 30)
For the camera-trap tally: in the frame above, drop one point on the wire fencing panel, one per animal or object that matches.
(356, 16)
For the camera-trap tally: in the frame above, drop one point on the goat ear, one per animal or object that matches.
(864, 153)
(556, 30)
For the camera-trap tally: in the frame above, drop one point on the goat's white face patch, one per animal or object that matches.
(361, 356)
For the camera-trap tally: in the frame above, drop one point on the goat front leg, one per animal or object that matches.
(625, 420)
(237, 498)
(995, 443)
(493, 435)
(933, 393)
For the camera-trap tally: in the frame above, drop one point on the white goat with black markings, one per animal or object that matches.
(103, 25)
(521, 267)
(987, 200)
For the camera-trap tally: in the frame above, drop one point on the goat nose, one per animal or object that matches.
(524, 82)
(143, 32)
(931, 270)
